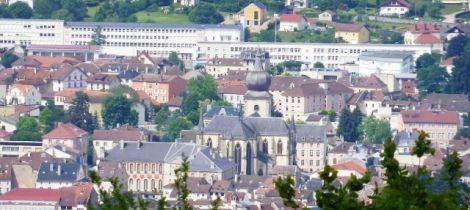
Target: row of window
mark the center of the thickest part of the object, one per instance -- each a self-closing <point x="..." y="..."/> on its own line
<point x="146" y="30"/>
<point x="302" y="153"/>
<point x="131" y="167"/>
<point x="144" y="185"/>
<point x="310" y="163"/>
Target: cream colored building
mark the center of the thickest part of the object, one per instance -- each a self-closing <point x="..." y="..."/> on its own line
<point x="311" y="147"/>
<point x="441" y="126"/>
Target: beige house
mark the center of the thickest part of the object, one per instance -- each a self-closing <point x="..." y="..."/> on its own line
<point x="148" y="166"/>
<point x="218" y="67"/>
<point x="327" y="15"/>
<point x="441" y="126"/>
<point x="311" y="146"/>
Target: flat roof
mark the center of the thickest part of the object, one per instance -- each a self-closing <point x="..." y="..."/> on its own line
<point x="151" y="25"/>
<point x="63" y="47"/>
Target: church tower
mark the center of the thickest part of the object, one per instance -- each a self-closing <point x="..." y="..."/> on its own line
<point x="258" y="100"/>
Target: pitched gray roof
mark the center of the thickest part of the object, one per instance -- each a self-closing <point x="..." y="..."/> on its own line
<point x="200" y="157"/>
<point x="249" y="127"/>
<point x="227" y="111"/>
<point x="310" y="133"/>
<point x="385" y="55"/>
<point x="68" y="172"/>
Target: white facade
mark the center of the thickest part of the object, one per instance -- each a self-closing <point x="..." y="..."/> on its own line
<point x="299" y="4"/>
<point x="385" y="62"/>
<point x="5" y="185"/>
<point x="23" y="96"/>
<point x="393" y="10"/>
<point x="234" y="99"/>
<point x="332" y="55"/>
<point x="76" y="79"/>
<point x="121" y="38"/>
<point x="186" y="3"/>
<point x="293" y="25"/>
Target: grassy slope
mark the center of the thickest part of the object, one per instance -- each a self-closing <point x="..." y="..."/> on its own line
<point x="160" y="17"/>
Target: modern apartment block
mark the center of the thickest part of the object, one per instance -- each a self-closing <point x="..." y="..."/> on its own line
<point x="121" y="38"/>
<point x="332" y="55"/>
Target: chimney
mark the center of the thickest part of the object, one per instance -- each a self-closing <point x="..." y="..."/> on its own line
<point x="323" y="85"/>
<point x="58" y="169"/>
<point x="51" y="167"/>
<point x="122" y="144"/>
<point x="236" y="178"/>
<point x="29" y="154"/>
<point x="139" y="144"/>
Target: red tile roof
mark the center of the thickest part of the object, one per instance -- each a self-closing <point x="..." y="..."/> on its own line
<point x="419" y="116"/>
<point x="350" y="166"/>
<point x="29" y="194"/>
<point x="233" y="89"/>
<point x="397" y="3"/>
<point x="291" y="18"/>
<point x="448" y="61"/>
<point x="75" y="195"/>
<point x="427" y="38"/>
<point x="65" y="131"/>
<point x="424" y="27"/>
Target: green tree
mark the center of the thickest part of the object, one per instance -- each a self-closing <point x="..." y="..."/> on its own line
<point x="50" y="116"/>
<point x="425" y="60"/>
<point x="330" y="113"/>
<point x="460" y="80"/>
<point x="198" y="89"/>
<point x="345" y="196"/>
<point x="215" y="204"/>
<point x="456" y="46"/>
<point x="205" y="14"/>
<point x="97" y="38"/>
<point x="27" y="129"/>
<point x="117" y="110"/>
<point x="221" y="103"/>
<point x="115" y="199"/>
<point x="422" y="146"/>
<point x="180" y="184"/>
<point x="7" y="59"/>
<point x="44" y="8"/>
<point x="286" y="189"/>
<point x="20" y="9"/>
<point x="161" y="117"/>
<point x="79" y="112"/>
<point x="4" y="11"/>
<point x="432" y="79"/>
<point x="462" y="133"/>
<point x="319" y="65"/>
<point x="374" y="131"/>
<point x="174" y="58"/>
<point x="175" y="126"/>
<point x="349" y="122"/>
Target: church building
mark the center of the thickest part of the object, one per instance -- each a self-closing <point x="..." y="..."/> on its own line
<point x="255" y="141"/>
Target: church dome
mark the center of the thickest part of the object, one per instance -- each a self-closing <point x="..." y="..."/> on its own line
<point x="258" y="79"/>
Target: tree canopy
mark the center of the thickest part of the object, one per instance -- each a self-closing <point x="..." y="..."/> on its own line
<point x="348" y="126"/>
<point x="117" y="110"/>
<point x="432" y="79"/>
<point x="79" y="112"/>
<point x="27" y="129"/>
<point x="205" y="14"/>
<point x="374" y="131"/>
<point x="20" y="9"/>
<point x="7" y="59"/>
<point x="404" y="189"/>
<point x="198" y="89"/>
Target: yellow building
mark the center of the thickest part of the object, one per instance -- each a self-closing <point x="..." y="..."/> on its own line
<point x="254" y="15"/>
<point x="352" y="33"/>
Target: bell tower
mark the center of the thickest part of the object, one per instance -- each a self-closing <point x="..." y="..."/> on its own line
<point x="258" y="100"/>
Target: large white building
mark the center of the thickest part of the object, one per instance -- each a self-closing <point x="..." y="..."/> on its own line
<point x="332" y="55"/>
<point x="121" y="38"/>
<point x="385" y="62"/>
<point x="191" y="41"/>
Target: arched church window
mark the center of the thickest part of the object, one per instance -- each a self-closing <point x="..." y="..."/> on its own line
<point x="227" y="154"/>
<point x="209" y="143"/>
<point x="256" y="108"/>
<point x="265" y="146"/>
<point x="238" y="157"/>
<point x="279" y="147"/>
